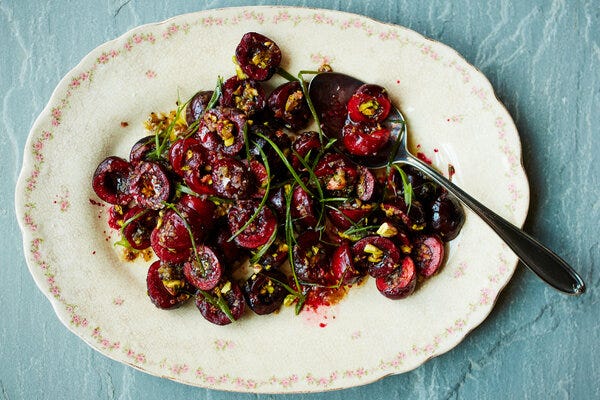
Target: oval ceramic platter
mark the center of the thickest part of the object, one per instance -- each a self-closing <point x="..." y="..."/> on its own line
<point x="98" y="110"/>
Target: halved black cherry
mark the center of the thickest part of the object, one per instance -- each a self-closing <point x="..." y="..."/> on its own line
<point x="111" y="181"/>
<point x="303" y="208"/>
<point x="258" y="56"/>
<point x="158" y="293"/>
<point x="150" y="185"/>
<point x="259" y="230"/>
<point x="170" y="240"/>
<point x="428" y="254"/>
<point x="140" y="150"/>
<point x="377" y="255"/>
<point x="203" y="269"/>
<point x="412" y="216"/>
<point x="363" y="139"/>
<point x="312" y="259"/>
<point x="222" y="130"/>
<point x="342" y="265"/>
<point x="337" y="174"/>
<point x="264" y="292"/>
<point x="197" y="106"/>
<point x="288" y="104"/>
<point x="447" y="217"/>
<point x="140" y="223"/>
<point x="231" y="178"/>
<point x="231" y="294"/>
<point x="400" y="283"/>
<point x="244" y="94"/>
<point x="369" y="103"/>
<point x="187" y="155"/>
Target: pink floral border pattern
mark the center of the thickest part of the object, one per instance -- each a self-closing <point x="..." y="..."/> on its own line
<point x="196" y="374"/>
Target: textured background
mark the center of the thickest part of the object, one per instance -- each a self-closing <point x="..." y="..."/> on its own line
<point x="542" y="58"/>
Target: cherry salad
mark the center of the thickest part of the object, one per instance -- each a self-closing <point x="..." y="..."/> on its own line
<point x="232" y="178"/>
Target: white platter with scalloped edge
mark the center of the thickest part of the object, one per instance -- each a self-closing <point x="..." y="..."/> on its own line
<point x="454" y="117"/>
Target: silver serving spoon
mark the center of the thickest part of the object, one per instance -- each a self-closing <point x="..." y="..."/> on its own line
<point x="330" y="93"/>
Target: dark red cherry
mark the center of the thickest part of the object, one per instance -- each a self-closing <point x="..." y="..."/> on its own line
<point x="111" y="181"/>
<point x="400" y="283"/>
<point x="365" y="187"/>
<point x="362" y="139"/>
<point x="159" y="295"/>
<point x="186" y="155"/>
<point x="150" y="185"/>
<point x="227" y="250"/>
<point x="312" y="259"/>
<point x="258" y="56"/>
<point x="276" y="255"/>
<point x="264" y="291"/>
<point x="303" y="208"/>
<point x="222" y="130"/>
<point x="115" y="216"/>
<point x="347" y="214"/>
<point x="447" y="217"/>
<point x="197" y="106"/>
<point x="337" y="174"/>
<point x="307" y="145"/>
<point x="257" y="143"/>
<point x="287" y="103"/>
<point x="342" y="265"/>
<point x="413" y="216"/>
<point x="428" y="254"/>
<point x="140" y="223"/>
<point x="260" y="178"/>
<point x="140" y="150"/>
<point x="244" y="94"/>
<point x="203" y="269"/>
<point x="231" y="295"/>
<point x="231" y="178"/>
<point x="173" y="279"/>
<point x="198" y="177"/>
<point x="377" y="255"/>
<point x="258" y="231"/>
<point x="170" y="240"/>
<point x="369" y="103"/>
<point x="199" y="213"/>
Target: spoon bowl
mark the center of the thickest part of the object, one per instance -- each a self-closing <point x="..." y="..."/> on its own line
<point x="330" y="92"/>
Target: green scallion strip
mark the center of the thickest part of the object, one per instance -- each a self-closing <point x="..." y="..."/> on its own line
<point x="189" y="230"/>
<point x="263" y="201"/>
<point x="263" y="249"/>
<point x="220" y="302"/>
<point x="407" y="186"/>
<point x="289" y="238"/>
<point x="315" y="181"/>
<point x="311" y="106"/>
<point x="285" y="162"/>
<point x="124" y="242"/>
<point x="216" y="94"/>
<point x="286" y="75"/>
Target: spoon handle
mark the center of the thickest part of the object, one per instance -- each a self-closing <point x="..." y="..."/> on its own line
<point x="543" y="262"/>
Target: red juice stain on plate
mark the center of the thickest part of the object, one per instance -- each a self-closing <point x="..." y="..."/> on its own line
<point x="421" y="156"/>
<point x="319" y="304"/>
<point x="96" y="203"/>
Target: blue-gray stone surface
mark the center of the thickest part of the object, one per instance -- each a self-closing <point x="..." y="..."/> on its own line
<point x="542" y="58"/>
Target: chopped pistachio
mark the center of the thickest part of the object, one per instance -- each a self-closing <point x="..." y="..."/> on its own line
<point x="386" y="230"/>
<point x="375" y="252"/>
<point x="226" y="287"/>
<point x="289" y="300"/>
